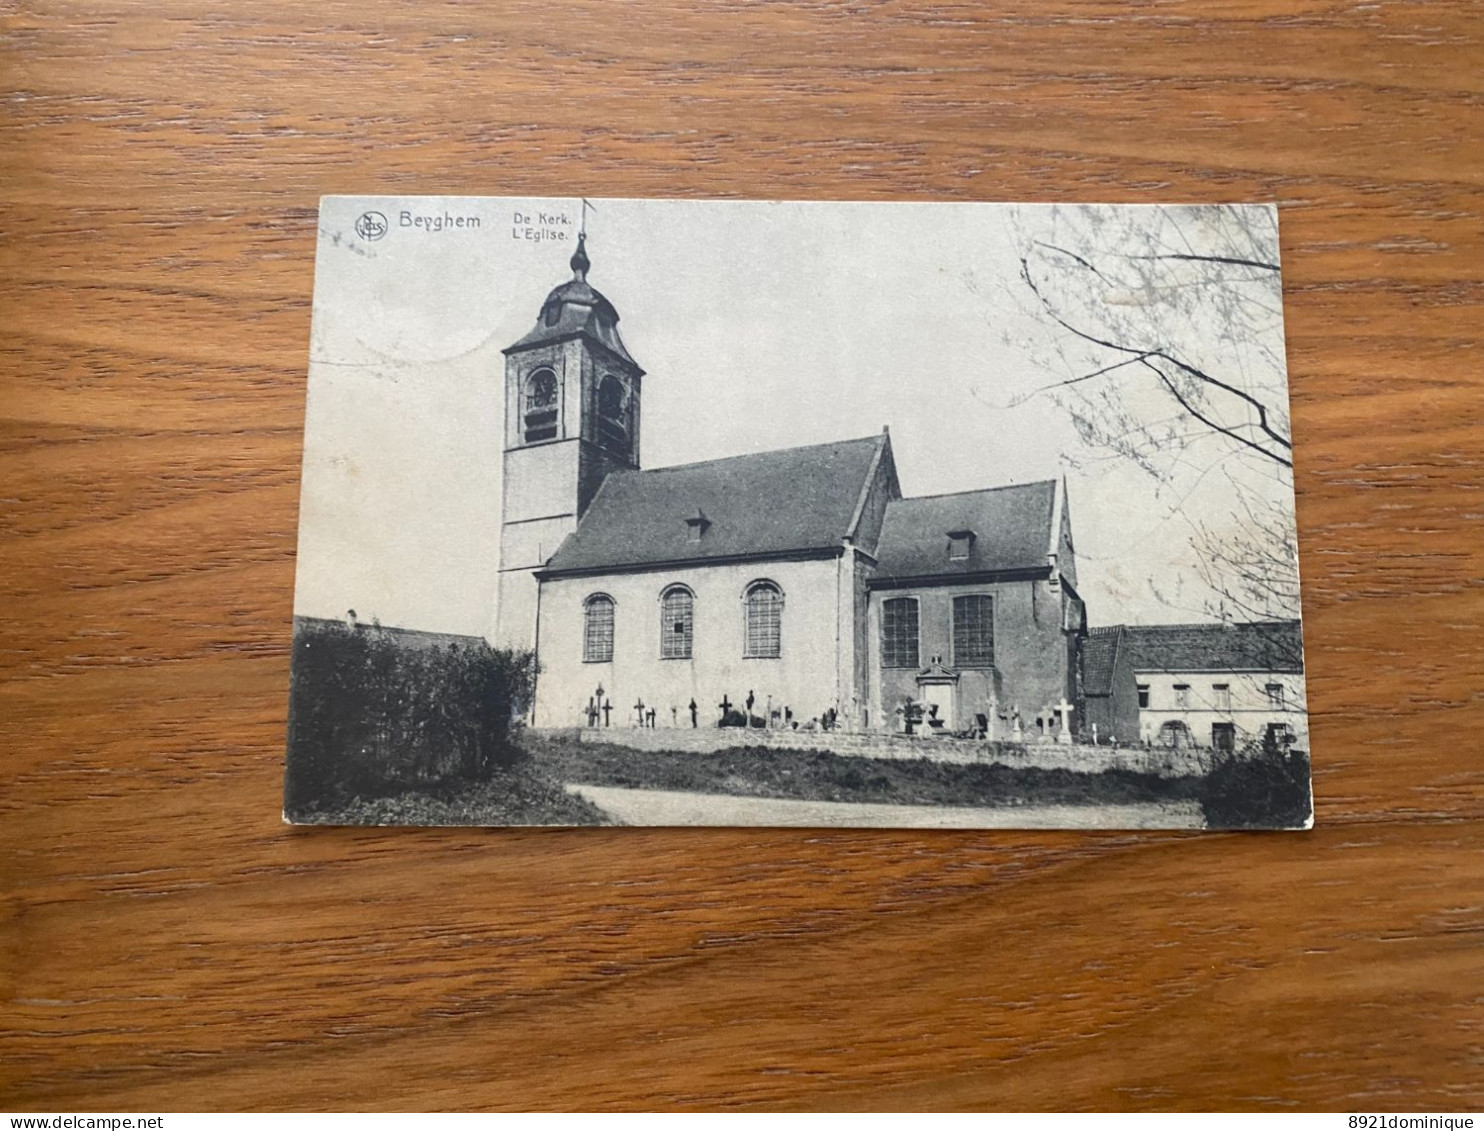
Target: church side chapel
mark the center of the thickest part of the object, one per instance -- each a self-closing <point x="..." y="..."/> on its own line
<point x="791" y="588"/>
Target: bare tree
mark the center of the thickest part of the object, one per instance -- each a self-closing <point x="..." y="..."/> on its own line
<point x="1167" y="351"/>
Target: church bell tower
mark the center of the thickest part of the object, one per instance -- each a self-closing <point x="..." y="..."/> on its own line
<point x="571" y="417"/>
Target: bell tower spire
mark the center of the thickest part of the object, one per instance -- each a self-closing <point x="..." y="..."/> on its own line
<point x="572" y="396"/>
<point x="579" y="261"/>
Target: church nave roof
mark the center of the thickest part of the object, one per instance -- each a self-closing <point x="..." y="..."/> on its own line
<point x="794" y="500"/>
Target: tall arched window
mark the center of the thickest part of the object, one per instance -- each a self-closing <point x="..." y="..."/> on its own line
<point x="677" y="623"/>
<point x="613" y="412"/>
<point x="540" y="408"/>
<point x="764" y="603"/>
<point x="597" y="629"/>
<point x="899" y="633"/>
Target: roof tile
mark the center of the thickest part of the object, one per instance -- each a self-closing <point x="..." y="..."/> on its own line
<point x="789" y="501"/>
<point x="1258" y="646"/>
<point x="1012" y="528"/>
<point x="1100" y="658"/>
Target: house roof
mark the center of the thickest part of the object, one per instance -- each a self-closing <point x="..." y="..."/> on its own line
<point x="1275" y="646"/>
<point x="796" y="500"/>
<point x="1100" y="659"/>
<point x="1011" y="528"/>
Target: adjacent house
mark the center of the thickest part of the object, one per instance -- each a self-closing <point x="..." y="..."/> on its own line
<point x="1221" y="686"/>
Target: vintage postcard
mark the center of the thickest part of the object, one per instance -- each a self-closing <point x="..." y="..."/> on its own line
<point x="657" y="512"/>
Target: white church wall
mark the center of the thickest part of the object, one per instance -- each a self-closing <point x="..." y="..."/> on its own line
<point x="515" y="615"/>
<point x="540" y="510"/>
<point x="541" y="481"/>
<point x="804" y="677"/>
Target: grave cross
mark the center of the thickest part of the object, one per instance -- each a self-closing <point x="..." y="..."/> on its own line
<point x="1065" y="735"/>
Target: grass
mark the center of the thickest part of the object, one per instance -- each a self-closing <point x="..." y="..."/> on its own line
<point x="531" y="791"/>
<point x="816" y="775"/>
<point x="517" y="795"/>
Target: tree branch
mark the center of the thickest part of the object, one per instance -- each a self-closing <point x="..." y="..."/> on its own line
<point x="1078" y="380"/>
<point x="1072" y="255"/>
<point x="1231" y="260"/>
<point x="1143" y="355"/>
<point x="1207" y="421"/>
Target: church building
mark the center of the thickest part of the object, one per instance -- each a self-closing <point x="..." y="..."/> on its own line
<point x="797" y="585"/>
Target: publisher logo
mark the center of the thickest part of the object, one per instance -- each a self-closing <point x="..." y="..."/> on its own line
<point x="371" y="226"/>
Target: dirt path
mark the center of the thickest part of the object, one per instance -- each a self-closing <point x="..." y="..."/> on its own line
<point x="665" y="807"/>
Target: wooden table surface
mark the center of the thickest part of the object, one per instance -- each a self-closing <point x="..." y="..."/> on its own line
<point x="166" y="943"/>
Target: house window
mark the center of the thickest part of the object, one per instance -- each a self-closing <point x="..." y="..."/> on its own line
<point x="613" y="416"/>
<point x="597" y="629"/>
<point x="1182" y="695"/>
<point x="1174" y="733"/>
<point x="1144" y="695"/>
<point x="973" y="632"/>
<point x="677" y="621"/>
<point x="764" y="620"/>
<point x="960" y="542"/>
<point x="1275" y="696"/>
<point x="1221" y="696"/>
<point x="541" y="406"/>
<point x="899" y="633"/>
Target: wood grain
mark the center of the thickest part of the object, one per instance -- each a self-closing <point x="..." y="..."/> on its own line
<point x="167" y="944"/>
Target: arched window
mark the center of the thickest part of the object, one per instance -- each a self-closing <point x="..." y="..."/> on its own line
<point x="597" y="629"/>
<point x="677" y="622"/>
<point x="899" y="633"/>
<point x="764" y="603"/>
<point x="540" y="408"/>
<point x="1175" y="734"/>
<point x="613" y="412"/>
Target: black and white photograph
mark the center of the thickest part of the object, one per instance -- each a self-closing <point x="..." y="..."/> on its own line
<point x="772" y="513"/>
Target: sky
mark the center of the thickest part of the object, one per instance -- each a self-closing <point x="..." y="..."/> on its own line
<point x="760" y="325"/>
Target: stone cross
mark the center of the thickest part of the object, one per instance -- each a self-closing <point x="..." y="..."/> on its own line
<point x="1065" y="735"/>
